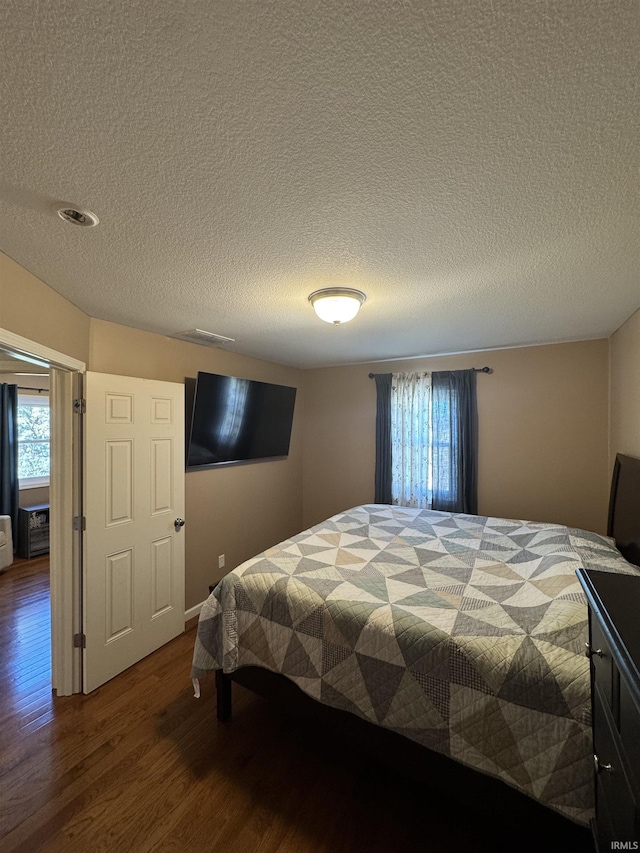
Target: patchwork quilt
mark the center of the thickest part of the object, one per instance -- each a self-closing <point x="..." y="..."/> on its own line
<point x="463" y="633"/>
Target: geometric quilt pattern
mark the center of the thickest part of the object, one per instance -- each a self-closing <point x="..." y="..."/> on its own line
<point x="463" y="633"/>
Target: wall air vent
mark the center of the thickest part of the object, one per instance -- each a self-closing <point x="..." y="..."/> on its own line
<point x="200" y="336"/>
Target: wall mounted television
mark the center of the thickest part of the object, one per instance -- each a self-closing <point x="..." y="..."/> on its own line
<point x="236" y="420"/>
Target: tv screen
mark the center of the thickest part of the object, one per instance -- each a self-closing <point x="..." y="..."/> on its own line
<point x="234" y="420"/>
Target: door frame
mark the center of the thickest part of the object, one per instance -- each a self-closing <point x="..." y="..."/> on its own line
<point x="65" y="500"/>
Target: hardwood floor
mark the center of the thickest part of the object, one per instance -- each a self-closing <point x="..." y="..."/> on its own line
<point x="140" y="765"/>
<point x="26" y="703"/>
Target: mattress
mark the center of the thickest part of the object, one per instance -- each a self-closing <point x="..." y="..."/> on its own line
<point x="463" y="633"/>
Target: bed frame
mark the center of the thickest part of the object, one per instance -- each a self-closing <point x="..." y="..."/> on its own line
<point x="467" y="785"/>
<point x="624" y="507"/>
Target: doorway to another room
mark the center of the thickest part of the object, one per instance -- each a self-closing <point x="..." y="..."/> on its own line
<point x="127" y="511"/>
<point x="41" y="590"/>
<point x="25" y="606"/>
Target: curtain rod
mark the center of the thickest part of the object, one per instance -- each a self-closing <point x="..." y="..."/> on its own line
<point x="27" y="388"/>
<point x="475" y="370"/>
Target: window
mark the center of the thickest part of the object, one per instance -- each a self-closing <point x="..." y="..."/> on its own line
<point x="33" y="440"/>
<point x="411" y="440"/>
<point x="427" y="440"/>
<point x="444" y="416"/>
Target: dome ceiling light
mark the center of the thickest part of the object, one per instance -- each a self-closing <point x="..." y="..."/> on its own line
<point x="337" y="305"/>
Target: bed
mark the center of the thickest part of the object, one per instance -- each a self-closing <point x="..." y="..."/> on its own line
<point x="464" y="634"/>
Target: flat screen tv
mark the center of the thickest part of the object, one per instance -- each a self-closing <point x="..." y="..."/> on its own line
<point x="236" y="420"/>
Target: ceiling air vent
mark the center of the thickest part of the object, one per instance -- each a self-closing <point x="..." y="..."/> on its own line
<point x="199" y="336"/>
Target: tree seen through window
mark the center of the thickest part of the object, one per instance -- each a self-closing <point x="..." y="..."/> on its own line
<point x="33" y="440"/>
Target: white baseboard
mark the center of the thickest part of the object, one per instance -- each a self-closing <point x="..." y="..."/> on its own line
<point x="193" y="611"/>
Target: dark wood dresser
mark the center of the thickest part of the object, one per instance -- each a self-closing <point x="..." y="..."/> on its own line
<point x="33" y="530"/>
<point x="614" y="651"/>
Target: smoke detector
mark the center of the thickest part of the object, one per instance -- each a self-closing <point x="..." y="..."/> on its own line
<point x="200" y="336"/>
<point x="76" y="216"/>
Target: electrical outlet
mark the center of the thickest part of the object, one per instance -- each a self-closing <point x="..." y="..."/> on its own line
<point x="221" y="561"/>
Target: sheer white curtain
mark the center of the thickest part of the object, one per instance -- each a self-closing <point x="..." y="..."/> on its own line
<point x="411" y="440"/>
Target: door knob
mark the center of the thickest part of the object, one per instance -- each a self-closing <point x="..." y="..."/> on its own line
<point x="178" y="523"/>
<point x="591" y="652"/>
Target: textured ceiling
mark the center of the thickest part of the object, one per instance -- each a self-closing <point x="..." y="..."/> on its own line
<point x="473" y="167"/>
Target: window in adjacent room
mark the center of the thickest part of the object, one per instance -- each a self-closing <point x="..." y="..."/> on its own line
<point x="33" y="440"/>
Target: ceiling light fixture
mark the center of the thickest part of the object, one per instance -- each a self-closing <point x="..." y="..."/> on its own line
<point x="75" y="216"/>
<point x="337" y="305"/>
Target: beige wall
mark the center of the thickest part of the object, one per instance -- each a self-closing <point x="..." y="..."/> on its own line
<point x="543" y="433"/>
<point x="30" y="308"/>
<point x="237" y="510"/>
<point x="33" y="497"/>
<point x="543" y="426"/>
<point x="624" y="389"/>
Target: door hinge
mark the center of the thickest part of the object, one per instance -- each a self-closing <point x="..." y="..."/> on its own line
<point x="79" y="641"/>
<point x="79" y="522"/>
<point x="80" y="407"/>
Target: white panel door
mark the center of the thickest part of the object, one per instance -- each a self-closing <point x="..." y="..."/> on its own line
<point x="133" y="592"/>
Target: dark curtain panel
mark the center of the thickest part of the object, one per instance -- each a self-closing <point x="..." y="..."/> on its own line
<point x="455" y="441"/>
<point x="9" y="455"/>
<point x="383" y="439"/>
